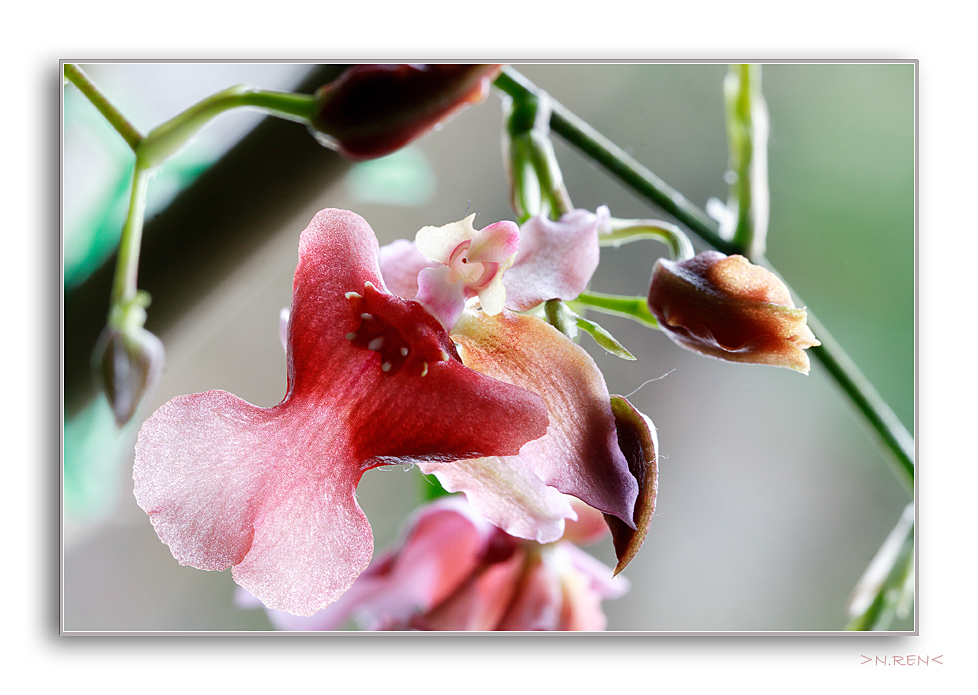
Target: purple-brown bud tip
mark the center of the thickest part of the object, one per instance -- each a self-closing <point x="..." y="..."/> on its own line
<point x="372" y="110"/>
<point x="127" y="367"/>
<point x="728" y="308"/>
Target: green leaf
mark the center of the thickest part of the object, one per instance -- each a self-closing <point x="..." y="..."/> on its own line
<point x="602" y="337"/>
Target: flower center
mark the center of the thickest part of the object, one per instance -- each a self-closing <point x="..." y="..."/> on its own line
<point x="402" y="333"/>
<point x="475" y="275"/>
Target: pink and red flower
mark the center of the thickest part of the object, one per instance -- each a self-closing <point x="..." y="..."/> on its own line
<point x="372" y="380"/>
<point x="375" y="379"/>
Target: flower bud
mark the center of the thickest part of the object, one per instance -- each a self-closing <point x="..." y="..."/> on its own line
<point x="372" y="110"/>
<point x="127" y="367"/>
<point x="725" y="307"/>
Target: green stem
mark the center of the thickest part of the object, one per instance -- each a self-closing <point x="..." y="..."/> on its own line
<point x="894" y="437"/>
<point x="169" y="137"/>
<point x="127" y="263"/>
<point x="635" y="308"/>
<point x="532" y="163"/>
<point x="627" y="231"/>
<point x="115" y="118"/>
<point x="747" y="129"/>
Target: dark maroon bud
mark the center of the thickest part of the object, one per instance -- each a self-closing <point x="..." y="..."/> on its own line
<point x="372" y="110"/>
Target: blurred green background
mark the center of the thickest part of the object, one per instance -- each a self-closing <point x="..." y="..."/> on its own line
<point x="772" y="496"/>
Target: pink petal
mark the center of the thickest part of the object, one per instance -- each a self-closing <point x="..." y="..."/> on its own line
<point x="590" y="526"/>
<point x="400" y="263"/>
<point x="439" y="295"/>
<point x="555" y="260"/>
<point x="209" y="473"/>
<point x="481" y="603"/>
<point x="444" y="544"/>
<point x="600" y="578"/>
<point x="505" y="491"/>
<point x="495" y="243"/>
<point x="538" y="603"/>
<point x="580" y="454"/>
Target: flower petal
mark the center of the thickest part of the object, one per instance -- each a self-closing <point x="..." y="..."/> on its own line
<point x="556" y="259"/>
<point x="438" y="243"/>
<point x="400" y="263"/>
<point x="638" y="441"/>
<point x="580" y="454"/>
<point x="507" y="493"/>
<point x="212" y="472"/>
<point x="481" y="603"/>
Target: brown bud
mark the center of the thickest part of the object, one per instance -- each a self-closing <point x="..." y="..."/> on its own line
<point x="372" y="110"/>
<point x="726" y="307"/>
<point x="127" y="367"/>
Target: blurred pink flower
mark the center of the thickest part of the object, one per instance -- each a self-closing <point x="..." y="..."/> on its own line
<point x="452" y="570"/>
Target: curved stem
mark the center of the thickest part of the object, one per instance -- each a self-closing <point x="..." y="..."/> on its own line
<point x="635" y="308"/>
<point x="120" y="123"/>
<point x="169" y="137"/>
<point x="627" y="231"/>
<point x="893" y="436"/>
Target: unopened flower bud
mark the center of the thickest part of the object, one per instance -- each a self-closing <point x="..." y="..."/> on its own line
<point x="127" y="367"/>
<point x="726" y="307"/>
<point x="372" y="110"/>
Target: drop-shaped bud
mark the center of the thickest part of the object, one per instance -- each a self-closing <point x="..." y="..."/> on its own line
<point x="728" y="308"/>
<point x="127" y="366"/>
<point x="372" y="110"/>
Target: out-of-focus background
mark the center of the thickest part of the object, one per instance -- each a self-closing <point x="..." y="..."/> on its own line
<point x="772" y="496"/>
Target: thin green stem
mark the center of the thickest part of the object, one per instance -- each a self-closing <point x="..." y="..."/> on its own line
<point x="120" y="123"/>
<point x="127" y="263"/>
<point x="635" y="308"/>
<point x="169" y="137"/>
<point x="894" y="437"/>
<point x="747" y="131"/>
<point x="627" y="231"/>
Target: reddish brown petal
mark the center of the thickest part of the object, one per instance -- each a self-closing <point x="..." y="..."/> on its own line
<point x="637" y="439"/>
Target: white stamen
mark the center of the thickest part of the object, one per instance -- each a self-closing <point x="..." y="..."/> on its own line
<point x="404" y="352"/>
<point x="354" y="295"/>
<point x="351" y="336"/>
<point x="367" y="317"/>
<point x="375" y="344"/>
<point x="424" y="368"/>
<point x="386" y="367"/>
<point x="443" y="356"/>
<point x="368" y="285"/>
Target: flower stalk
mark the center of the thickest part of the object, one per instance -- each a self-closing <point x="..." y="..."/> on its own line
<point x="747" y="132"/>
